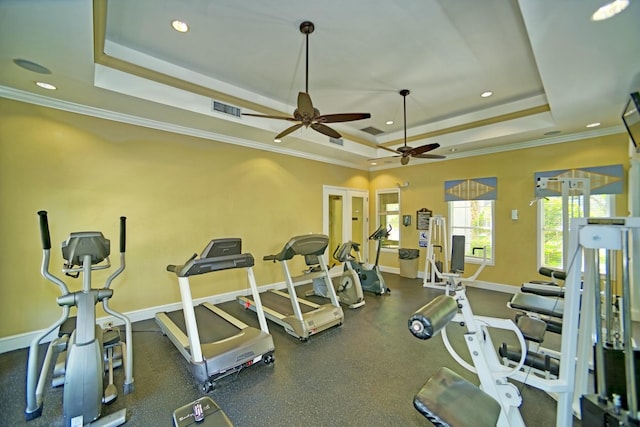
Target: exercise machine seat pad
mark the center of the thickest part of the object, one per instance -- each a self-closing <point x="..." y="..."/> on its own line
<point x="538" y="304"/>
<point x="532" y="329"/>
<point x="546" y="289"/>
<point x="447" y="399"/>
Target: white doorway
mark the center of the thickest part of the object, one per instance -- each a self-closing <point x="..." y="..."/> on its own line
<point x="345" y="217"/>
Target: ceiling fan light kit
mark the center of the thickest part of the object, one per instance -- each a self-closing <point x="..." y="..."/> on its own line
<point x="306" y="114"/>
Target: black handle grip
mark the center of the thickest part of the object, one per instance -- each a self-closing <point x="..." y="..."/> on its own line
<point x="123" y="234"/>
<point x="173" y="268"/>
<point x="44" y="230"/>
<point x="477" y="248"/>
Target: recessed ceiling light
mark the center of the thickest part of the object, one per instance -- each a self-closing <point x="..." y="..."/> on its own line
<point x="47" y="86"/>
<point x="277" y="140"/>
<point x="453" y="150"/>
<point x="486" y="94"/>
<point x="388" y="122"/>
<point x="31" y="66"/>
<point x="609" y="10"/>
<point x="593" y="125"/>
<point x="179" y="26"/>
<point x="373" y="163"/>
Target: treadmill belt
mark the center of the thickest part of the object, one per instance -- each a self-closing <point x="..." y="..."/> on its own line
<point x="281" y="304"/>
<point x="211" y="327"/>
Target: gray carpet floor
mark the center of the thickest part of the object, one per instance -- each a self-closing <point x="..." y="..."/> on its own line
<point x="364" y="373"/>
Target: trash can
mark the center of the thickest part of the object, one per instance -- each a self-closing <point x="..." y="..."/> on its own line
<point x="408" y="262"/>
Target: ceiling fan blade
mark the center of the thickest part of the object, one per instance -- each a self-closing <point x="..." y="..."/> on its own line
<point x="378" y="159"/>
<point x="266" y="116"/>
<point x="287" y="131"/>
<point x="423" y="149"/>
<point x="305" y="106"/>
<point x="429" y="156"/>
<point x="344" y="117"/>
<point x="389" y="149"/>
<point x="325" y="130"/>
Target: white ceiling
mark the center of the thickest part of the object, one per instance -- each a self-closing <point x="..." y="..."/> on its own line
<point x="550" y="67"/>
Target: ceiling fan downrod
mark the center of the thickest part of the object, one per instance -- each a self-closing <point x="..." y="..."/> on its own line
<point x="404" y="93"/>
<point x="307" y="28"/>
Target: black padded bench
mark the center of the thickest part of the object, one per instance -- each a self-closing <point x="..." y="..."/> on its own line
<point x="546" y="288"/>
<point x="533" y="330"/>
<point x="547" y="306"/>
<point x="447" y="399"/>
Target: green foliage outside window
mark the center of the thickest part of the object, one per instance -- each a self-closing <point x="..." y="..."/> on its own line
<point x="474" y="220"/>
<point x="389" y="214"/>
<point x="552" y="234"/>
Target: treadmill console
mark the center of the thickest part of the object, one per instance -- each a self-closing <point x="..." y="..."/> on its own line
<point x="221" y="247"/>
<point x="220" y="254"/>
<point x="306" y="244"/>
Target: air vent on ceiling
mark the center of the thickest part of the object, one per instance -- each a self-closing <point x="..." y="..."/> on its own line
<point x="337" y="141"/>
<point x="225" y="108"/>
<point x="371" y="130"/>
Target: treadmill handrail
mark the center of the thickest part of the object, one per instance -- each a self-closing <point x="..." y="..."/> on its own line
<point x="195" y="266"/>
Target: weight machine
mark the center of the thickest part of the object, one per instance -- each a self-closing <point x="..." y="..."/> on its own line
<point x="616" y="399"/>
<point x="435" y="274"/>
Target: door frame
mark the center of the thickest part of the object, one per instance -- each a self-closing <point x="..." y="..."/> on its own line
<point x="347" y="195"/>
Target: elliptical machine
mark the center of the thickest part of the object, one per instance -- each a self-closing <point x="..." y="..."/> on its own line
<point x="83" y="395"/>
<point x="370" y="279"/>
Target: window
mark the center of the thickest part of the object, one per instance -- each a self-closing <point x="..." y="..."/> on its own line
<point x="388" y="208"/>
<point x="474" y="220"/>
<point x="550" y="231"/>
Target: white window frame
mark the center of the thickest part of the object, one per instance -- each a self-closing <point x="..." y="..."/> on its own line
<point x="379" y="213"/>
<point x="540" y="225"/>
<point x="475" y="259"/>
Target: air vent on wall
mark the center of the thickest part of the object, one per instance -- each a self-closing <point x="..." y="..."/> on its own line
<point x="225" y="108"/>
<point x="371" y="130"/>
<point x="337" y="141"/>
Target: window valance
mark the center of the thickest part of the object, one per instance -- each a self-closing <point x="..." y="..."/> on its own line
<point x="471" y="189"/>
<point x="602" y="180"/>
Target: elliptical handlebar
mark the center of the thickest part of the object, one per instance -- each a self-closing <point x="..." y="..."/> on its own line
<point x="381" y="232"/>
<point x="44" y="230"/>
<point x="45" y="236"/>
<point x="123" y="234"/>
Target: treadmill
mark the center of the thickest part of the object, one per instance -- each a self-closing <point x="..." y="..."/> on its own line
<point x="299" y="317"/>
<point x="215" y="343"/>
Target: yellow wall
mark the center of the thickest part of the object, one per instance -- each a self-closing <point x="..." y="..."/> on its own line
<point x="177" y="192"/>
<point x="515" y="241"/>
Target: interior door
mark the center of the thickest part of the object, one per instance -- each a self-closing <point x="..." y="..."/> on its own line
<point x="345" y="217"/>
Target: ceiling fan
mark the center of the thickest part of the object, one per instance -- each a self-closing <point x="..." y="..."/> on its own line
<point x="405" y="152"/>
<point x="306" y="114"/>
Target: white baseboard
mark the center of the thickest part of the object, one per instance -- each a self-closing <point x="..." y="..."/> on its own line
<point x="490" y="286"/>
<point x="16" y="342"/>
